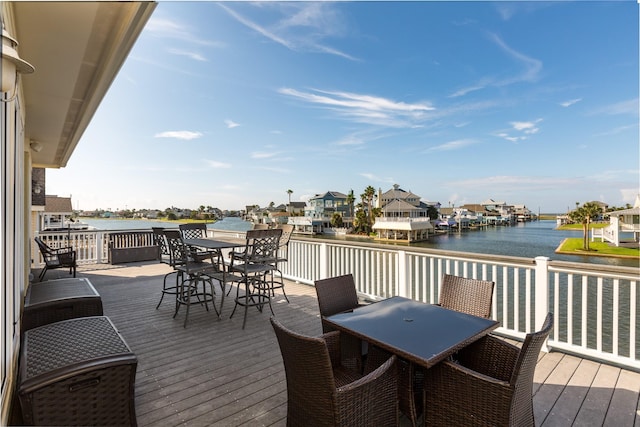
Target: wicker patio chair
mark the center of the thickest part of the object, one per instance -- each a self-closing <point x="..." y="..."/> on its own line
<point x="467" y="295"/>
<point x="490" y="385"/>
<point x="56" y="258"/>
<point x="335" y="295"/>
<point x="321" y="392"/>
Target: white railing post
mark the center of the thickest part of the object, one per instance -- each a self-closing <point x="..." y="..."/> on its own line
<point x="542" y="294"/>
<point x="402" y="279"/>
<point x="324" y="261"/>
<point x="99" y="239"/>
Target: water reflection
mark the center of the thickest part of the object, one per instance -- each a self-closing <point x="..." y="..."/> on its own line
<point x="528" y="240"/>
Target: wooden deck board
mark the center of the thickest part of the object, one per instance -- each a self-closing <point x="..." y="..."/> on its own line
<point x="214" y="373"/>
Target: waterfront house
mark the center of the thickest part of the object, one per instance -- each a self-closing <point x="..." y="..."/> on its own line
<point x="76" y="49"/>
<point x="621" y="222"/>
<point x="403" y="216"/>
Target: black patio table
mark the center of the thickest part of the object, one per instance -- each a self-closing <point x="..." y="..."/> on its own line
<point x="213" y="244"/>
<point x="421" y="333"/>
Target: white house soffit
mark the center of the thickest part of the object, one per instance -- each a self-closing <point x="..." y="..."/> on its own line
<point x="77" y="49"/>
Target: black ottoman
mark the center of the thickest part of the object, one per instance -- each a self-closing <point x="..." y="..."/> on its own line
<point x="62" y="299"/>
<point x="77" y="372"/>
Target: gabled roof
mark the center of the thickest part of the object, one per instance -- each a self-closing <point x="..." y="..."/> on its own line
<point x="399" y="193"/>
<point x="400" y="206"/>
<point x="59" y="205"/>
<point x="330" y="195"/>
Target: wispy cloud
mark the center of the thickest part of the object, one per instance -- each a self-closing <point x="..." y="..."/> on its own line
<point x="376" y="178"/>
<point x="499" y="183"/>
<point x="231" y="124"/>
<point x="520" y="131"/>
<point x="570" y="102"/>
<point x="366" y="108"/>
<point x="191" y="55"/>
<point x="167" y="28"/>
<point x="179" y="134"/>
<point x="630" y="106"/>
<point x="301" y="27"/>
<point x="262" y="155"/>
<point x="218" y="165"/>
<point x="531" y="70"/>
<point x="617" y="130"/>
<point x="453" y="145"/>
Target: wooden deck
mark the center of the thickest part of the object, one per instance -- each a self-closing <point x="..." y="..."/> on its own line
<point x="216" y="374"/>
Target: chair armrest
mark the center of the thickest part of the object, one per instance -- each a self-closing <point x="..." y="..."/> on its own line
<point x="372" y="399"/>
<point x="333" y="345"/>
<point x="457" y="393"/>
<point x="490" y="356"/>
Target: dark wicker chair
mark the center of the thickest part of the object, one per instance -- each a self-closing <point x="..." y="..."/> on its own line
<point x="254" y="265"/>
<point x="56" y="258"/>
<point x="490" y="385"/>
<point x="321" y="392"/>
<point x="336" y="295"/>
<point x="467" y="295"/>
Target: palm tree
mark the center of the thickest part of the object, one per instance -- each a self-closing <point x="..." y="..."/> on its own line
<point x="585" y="214"/>
<point x="289" y="192"/>
<point x="350" y="200"/>
<point x="369" y="194"/>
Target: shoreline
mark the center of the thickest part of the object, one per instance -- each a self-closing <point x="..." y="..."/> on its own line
<point x="591" y="253"/>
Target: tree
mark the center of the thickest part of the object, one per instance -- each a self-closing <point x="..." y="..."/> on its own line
<point x="350" y="200"/>
<point x="336" y="220"/>
<point x="584" y="215"/>
<point x="289" y="192"/>
<point x="369" y="194"/>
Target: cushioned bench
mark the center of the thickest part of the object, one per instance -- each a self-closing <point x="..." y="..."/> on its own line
<point x="132" y="246"/>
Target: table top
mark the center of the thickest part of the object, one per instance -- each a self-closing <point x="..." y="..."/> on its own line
<point x="421" y="333"/>
<point x="212" y="243"/>
<point x="60" y="289"/>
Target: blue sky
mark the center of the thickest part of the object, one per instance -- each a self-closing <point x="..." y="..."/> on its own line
<point x="232" y="104"/>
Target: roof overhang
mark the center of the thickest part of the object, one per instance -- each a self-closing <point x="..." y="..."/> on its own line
<point x="77" y="49"/>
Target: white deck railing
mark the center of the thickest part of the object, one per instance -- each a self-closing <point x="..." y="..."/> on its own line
<point x="595" y="306"/>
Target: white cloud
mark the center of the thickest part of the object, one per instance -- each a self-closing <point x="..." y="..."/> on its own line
<point x="167" y="28"/>
<point x="262" y="155"/>
<point x="375" y="178"/>
<point x="531" y="70"/>
<point x="180" y="134"/>
<point x="367" y="109"/>
<point x="630" y="106"/>
<point x="192" y="55"/>
<point x="218" y="165"/>
<point x="453" y="145"/>
<point x="231" y="124"/>
<point x="301" y="27"/>
<point x="570" y="102"/>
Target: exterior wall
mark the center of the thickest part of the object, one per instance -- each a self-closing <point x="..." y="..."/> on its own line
<point x="14" y="231"/>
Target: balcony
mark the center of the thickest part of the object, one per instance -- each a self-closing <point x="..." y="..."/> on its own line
<point x="214" y="373"/>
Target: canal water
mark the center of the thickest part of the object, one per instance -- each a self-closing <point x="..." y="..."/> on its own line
<point x="527" y="240"/>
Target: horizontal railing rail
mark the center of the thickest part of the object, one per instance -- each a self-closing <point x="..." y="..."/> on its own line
<point x="595" y="306"/>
